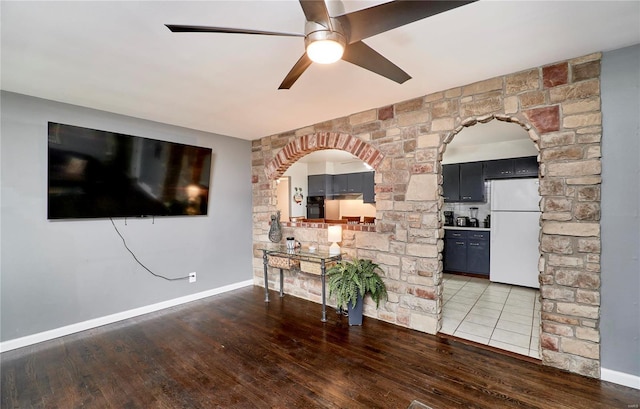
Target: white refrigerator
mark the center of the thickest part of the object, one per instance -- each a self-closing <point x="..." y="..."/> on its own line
<point x="515" y="231"/>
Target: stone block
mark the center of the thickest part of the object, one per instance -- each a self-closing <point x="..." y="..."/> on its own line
<point x="576" y="310"/>
<point x="424" y="323"/>
<point x="511" y="104"/>
<point x="442" y="124"/>
<point x="557" y="329"/>
<point x="571" y="229"/>
<point x="554" y="75"/>
<point x="410" y="105"/>
<point x="428" y="293"/>
<point x="429" y="140"/>
<point x="448" y="107"/>
<point x="481" y="107"/>
<point x="576" y="168"/>
<point x="453" y="93"/>
<point x="546" y="119"/>
<point x="588" y="193"/>
<point x="572" y="363"/>
<point x="583" y="348"/>
<point x="422" y="187"/>
<point x="593" y="152"/>
<point x="372" y="240"/>
<point x="563" y="153"/>
<point x="587" y="211"/>
<point x="558" y="293"/>
<point x="585" y="71"/>
<point x="581" y="106"/>
<point x="565" y="261"/>
<point x="591" y="245"/>
<point x="427" y="155"/>
<point x="589" y="334"/>
<point x="546" y="316"/>
<point x="522" y="81"/>
<point x="363" y="117"/>
<point x="556" y="244"/>
<point x="549" y="342"/>
<point x="412" y="118"/>
<point x="591" y="297"/>
<point x="552" y="187"/>
<point x="551" y="140"/>
<point x="531" y="99"/>
<point x="482" y="86"/>
<point x="422" y="250"/>
<point x="580" y="90"/>
<point x="582" y="120"/>
<point x="556" y="204"/>
<point x="385" y="113"/>
<point x="587" y="180"/>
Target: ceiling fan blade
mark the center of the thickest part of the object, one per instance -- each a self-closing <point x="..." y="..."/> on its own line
<point x="316" y="11"/>
<point x="176" y="28"/>
<point x="362" y="55"/>
<point x="383" y="17"/>
<point x="303" y="63"/>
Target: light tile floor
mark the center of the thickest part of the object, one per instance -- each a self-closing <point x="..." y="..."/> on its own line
<point x="499" y="315"/>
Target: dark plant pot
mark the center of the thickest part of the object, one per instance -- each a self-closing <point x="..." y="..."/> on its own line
<point x="355" y="313"/>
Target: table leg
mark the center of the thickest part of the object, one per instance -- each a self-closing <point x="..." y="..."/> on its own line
<point x="281" y="284"/>
<point x="323" y="270"/>
<point x="266" y="278"/>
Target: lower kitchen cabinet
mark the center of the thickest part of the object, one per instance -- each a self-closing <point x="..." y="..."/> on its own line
<point x="466" y="251"/>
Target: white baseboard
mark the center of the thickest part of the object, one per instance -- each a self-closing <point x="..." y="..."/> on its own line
<point x="109" y="319"/>
<point x="620" y="378"/>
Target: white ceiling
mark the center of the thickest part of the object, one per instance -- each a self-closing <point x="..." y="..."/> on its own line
<point x="118" y="56"/>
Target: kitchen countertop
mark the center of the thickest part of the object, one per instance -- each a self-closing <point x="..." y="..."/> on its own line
<point x="467" y="228"/>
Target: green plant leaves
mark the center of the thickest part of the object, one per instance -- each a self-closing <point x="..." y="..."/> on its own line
<point x="348" y="279"/>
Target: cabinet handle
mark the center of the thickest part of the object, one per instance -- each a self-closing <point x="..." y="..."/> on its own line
<point x="460" y="243"/>
<point x="466" y="197"/>
<point x="474" y="244"/>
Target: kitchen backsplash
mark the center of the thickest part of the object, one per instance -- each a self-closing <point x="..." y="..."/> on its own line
<point x="462" y="209"/>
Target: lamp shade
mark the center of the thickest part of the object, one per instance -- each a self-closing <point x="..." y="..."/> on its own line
<point x="335" y="234"/>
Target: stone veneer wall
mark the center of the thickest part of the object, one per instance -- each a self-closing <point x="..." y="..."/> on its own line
<point x="558" y="104"/>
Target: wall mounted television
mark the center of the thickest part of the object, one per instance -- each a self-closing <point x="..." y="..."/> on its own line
<point x="101" y="174"/>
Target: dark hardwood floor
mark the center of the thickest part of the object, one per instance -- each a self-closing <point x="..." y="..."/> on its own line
<point x="235" y="351"/>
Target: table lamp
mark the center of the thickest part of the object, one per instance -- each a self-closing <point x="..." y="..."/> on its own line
<point x="334" y="236"/>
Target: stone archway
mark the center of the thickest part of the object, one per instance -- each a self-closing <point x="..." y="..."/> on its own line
<point x="306" y="144"/>
<point x="559" y="105"/>
<point x="444" y="327"/>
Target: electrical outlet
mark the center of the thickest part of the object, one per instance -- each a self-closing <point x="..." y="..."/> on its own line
<point x="192" y="277"/>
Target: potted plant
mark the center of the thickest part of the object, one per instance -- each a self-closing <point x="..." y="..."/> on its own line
<point x="351" y="281"/>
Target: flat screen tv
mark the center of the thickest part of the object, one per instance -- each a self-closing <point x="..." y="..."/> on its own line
<point x="101" y="174"/>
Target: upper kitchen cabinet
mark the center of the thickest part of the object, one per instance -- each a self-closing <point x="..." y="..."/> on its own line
<point x="349" y="183"/>
<point x="511" y="168"/>
<point x="320" y="185"/>
<point x="368" y="187"/>
<point x="340" y="184"/>
<point x="526" y="167"/>
<point x="451" y="182"/>
<point x="463" y="182"/>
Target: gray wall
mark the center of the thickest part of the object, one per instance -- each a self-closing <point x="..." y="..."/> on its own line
<point x="620" y="317"/>
<point x="57" y="273"/>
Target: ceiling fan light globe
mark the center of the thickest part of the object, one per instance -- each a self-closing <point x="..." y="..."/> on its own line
<point x="325" y="51"/>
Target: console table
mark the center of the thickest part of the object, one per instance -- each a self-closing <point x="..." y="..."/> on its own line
<point x="285" y="259"/>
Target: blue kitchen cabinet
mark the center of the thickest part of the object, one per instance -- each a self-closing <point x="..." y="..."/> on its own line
<point x="478" y="252"/>
<point x="466" y="251"/>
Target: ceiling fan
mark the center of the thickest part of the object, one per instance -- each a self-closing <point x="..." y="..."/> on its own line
<point x="328" y="39"/>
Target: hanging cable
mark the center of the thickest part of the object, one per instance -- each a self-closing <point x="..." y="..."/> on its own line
<point x="139" y="262"/>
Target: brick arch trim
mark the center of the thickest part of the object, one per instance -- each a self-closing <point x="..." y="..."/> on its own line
<point x="533" y="135"/>
<point x="306" y="144"/>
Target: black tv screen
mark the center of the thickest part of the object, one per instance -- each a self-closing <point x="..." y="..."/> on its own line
<point x="100" y="174"/>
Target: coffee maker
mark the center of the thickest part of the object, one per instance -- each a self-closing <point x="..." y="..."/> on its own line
<point x="448" y="218"/>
